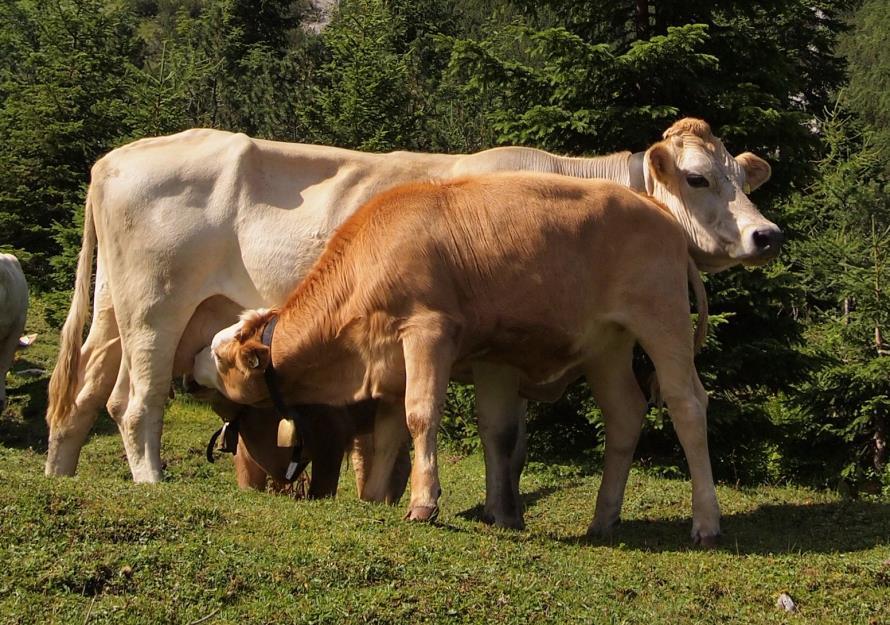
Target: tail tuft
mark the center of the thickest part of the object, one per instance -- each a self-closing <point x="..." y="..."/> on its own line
<point x="63" y="385"/>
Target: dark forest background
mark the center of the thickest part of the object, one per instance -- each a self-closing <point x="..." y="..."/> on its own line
<point x="798" y="365"/>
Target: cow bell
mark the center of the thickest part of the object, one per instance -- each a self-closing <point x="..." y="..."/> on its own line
<point x="287" y="433"/>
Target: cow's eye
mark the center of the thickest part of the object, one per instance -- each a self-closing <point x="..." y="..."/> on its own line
<point x="697" y="181"/>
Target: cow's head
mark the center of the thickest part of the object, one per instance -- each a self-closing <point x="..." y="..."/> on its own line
<point x="706" y="189"/>
<point x="236" y="361"/>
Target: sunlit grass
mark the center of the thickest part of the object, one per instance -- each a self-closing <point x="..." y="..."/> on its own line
<point x="99" y="549"/>
<point x="195" y="545"/>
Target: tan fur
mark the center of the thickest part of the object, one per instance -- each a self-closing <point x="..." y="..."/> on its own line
<point x="690" y="125"/>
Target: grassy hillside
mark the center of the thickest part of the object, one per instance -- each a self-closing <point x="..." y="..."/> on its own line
<point x="98" y="549"/>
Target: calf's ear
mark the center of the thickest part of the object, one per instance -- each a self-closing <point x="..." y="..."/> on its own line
<point x="253" y="356"/>
<point x="659" y="165"/>
<point x="757" y="170"/>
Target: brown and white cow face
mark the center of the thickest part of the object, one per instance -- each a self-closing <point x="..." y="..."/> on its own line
<point x="235" y="363"/>
<point x="706" y="190"/>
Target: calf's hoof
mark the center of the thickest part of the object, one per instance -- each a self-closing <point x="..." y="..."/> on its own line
<point x="506" y="521"/>
<point x="709" y="541"/>
<point x="424" y="514"/>
<point x="602" y="531"/>
<point x="511" y="523"/>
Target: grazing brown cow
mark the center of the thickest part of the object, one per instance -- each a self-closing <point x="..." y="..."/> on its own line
<point x="545" y="275"/>
<point x="329" y="433"/>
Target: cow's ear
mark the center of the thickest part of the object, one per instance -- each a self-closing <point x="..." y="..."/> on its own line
<point x="253" y="356"/>
<point x="757" y="170"/>
<point x="659" y="166"/>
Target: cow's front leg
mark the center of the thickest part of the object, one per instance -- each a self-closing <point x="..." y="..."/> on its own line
<point x="499" y="409"/>
<point x="330" y="433"/>
<point x="428" y="360"/>
<point x="248" y="473"/>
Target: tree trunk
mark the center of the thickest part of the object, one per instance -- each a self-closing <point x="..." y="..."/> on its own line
<point x="642" y="19"/>
<point x="879" y="442"/>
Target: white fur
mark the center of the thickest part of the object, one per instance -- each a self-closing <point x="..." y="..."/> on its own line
<point x="13" y="311"/>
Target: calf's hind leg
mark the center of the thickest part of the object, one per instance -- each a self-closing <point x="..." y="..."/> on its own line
<point x="615" y="389"/>
<point x="670" y="348"/>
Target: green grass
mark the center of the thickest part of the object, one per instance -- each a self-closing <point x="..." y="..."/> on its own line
<point x="99" y="549"/>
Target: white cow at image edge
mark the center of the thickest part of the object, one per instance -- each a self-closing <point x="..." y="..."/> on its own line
<point x="13" y="311"/>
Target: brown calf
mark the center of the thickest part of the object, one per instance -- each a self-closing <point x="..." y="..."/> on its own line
<point x="539" y="276"/>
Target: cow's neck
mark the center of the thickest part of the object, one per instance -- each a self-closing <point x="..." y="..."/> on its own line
<point x="622" y="167"/>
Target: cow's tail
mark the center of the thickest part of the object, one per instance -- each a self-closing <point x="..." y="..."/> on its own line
<point x="701" y="327"/>
<point x="63" y="385"/>
<point x="701" y="305"/>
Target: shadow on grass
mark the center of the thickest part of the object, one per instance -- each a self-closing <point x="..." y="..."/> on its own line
<point x="840" y="527"/>
<point x="529" y="500"/>
<point x="23" y="423"/>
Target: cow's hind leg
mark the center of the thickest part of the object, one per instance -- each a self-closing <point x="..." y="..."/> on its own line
<point x="99" y="363"/>
<point x="499" y="411"/>
<point x="150" y="338"/>
<point x="615" y="389"/>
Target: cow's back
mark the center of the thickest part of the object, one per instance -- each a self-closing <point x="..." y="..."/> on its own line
<point x="253" y="214"/>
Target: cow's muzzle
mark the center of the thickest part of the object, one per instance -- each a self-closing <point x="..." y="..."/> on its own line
<point x="767" y="243"/>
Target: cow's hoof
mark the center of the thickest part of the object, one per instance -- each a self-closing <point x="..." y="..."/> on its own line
<point x="711" y="541"/>
<point x="424" y="514"/>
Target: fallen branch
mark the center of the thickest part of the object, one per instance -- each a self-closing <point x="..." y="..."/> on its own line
<point x="205" y="618"/>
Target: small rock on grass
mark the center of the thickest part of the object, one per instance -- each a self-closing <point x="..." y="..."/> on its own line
<point x="786" y="603"/>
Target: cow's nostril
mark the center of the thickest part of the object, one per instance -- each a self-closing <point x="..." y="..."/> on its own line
<point x="768" y="239"/>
